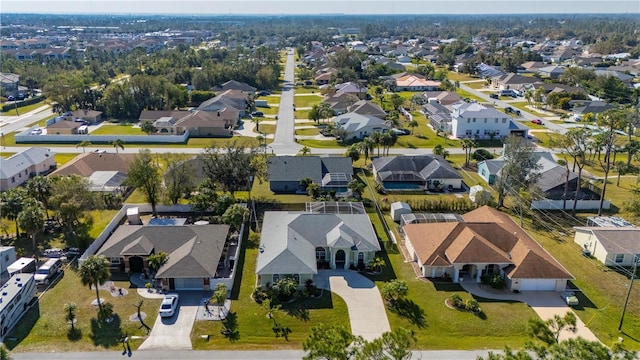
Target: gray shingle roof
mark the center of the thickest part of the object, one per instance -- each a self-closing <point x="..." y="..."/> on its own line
<point x="296" y="168"/>
<point x="352" y="122"/>
<point x="615" y="239"/>
<point x="23" y="160"/>
<point x="289" y="239"/>
<point x="414" y="168"/>
<point x="194" y="251"/>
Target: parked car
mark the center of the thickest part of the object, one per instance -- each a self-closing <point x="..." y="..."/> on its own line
<point x="36" y="131"/>
<point x="72" y="252"/>
<point x="494" y="96"/>
<point x="537" y="121"/>
<point x="570" y="298"/>
<point x="257" y="114"/>
<point x="10" y="98"/>
<point x="53" y="253"/>
<point x="21" y="96"/>
<point x="169" y="305"/>
<point x="510" y="110"/>
<point x="263" y="93"/>
<point x="48" y="271"/>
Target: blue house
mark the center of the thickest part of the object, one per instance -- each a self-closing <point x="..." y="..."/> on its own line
<point x="331" y="173"/>
<point x="488" y="169"/>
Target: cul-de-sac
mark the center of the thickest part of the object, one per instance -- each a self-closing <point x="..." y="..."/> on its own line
<point x="319" y="180"/>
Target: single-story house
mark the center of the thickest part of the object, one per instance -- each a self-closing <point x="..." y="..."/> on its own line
<point x="63" y="127"/>
<point x="331" y="172"/>
<point x="365" y="107"/>
<point x="487" y="242"/>
<point x="195" y="252"/>
<point x="91" y="116"/>
<point x="513" y="81"/>
<point x="106" y="171"/>
<point x="297" y="244"/>
<point x="209" y="123"/>
<point x="442" y="97"/>
<point x="552" y="71"/>
<point x="612" y="246"/>
<point x="551" y="182"/>
<point x="358" y="90"/>
<point x="236" y="85"/>
<point x="421" y="172"/>
<point x="413" y="82"/>
<point x="229" y="99"/>
<point x="17" y="169"/>
<point x="583" y="107"/>
<point x="358" y="126"/>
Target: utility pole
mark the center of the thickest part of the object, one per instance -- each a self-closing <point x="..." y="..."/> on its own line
<point x="636" y="259"/>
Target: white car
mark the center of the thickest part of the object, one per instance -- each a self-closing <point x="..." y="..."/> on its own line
<point x="36" y="131"/>
<point x="169" y="305"/>
<point x="570" y="298"/>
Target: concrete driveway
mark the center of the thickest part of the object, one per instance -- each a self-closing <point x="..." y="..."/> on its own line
<point x="174" y="333"/>
<point x="546" y="304"/>
<point x="367" y="314"/>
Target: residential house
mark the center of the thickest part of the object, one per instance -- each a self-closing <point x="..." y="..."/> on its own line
<point x="442" y="97"/>
<point x="340" y="103"/>
<point x="473" y="120"/>
<point x="331" y="173"/>
<point x="9" y="82"/>
<point x="552" y="72"/>
<point x="17" y="169"/>
<point x="552" y="179"/>
<point x="235" y="99"/>
<point x="91" y="116"/>
<point x="487" y="242"/>
<point x="195" y="253"/>
<point x="512" y="81"/>
<point x="357" y="126"/>
<point x="417" y="173"/>
<point x="153" y="115"/>
<point x="439" y="115"/>
<point x="236" y="86"/>
<point x="352" y="88"/>
<point x="531" y="67"/>
<point x="106" y="171"/>
<point x="200" y="123"/>
<point x="583" y="107"/>
<point x="297" y="245"/>
<point x="365" y="107"/>
<point x="64" y="127"/>
<point x="612" y="246"/>
<point x="413" y="82"/>
<point x="323" y="79"/>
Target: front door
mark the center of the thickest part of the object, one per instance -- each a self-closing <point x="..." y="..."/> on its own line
<point x="136" y="265"/>
<point x="340" y="259"/>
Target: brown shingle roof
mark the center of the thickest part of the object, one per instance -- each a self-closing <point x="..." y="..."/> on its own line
<point x="87" y="164"/>
<point x="64" y="125"/>
<point x="488" y="236"/>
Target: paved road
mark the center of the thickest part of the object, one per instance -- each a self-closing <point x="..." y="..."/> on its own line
<point x="9" y="124"/>
<point x="227" y="355"/>
<point x="284" y="140"/>
<point x="174" y="333"/>
<point x="367" y="314"/>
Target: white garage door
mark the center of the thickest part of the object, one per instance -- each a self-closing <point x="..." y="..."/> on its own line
<point x="537" y="285"/>
<point x="188" y="284"/>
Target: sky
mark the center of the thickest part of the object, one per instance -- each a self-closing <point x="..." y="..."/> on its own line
<point x="312" y="7"/>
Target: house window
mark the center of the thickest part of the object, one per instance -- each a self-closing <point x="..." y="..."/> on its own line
<point x="619" y="258"/>
<point x="115" y="261"/>
<point x="468" y="121"/>
<point x="504" y="121"/>
<point x="321" y="254"/>
<point x="474" y="119"/>
<point x="478" y="132"/>
<point x="296" y="277"/>
<point x="468" y="132"/>
<point x="276" y="277"/>
<point x="13" y="179"/>
<point x="496" y="121"/>
<point x="360" y="258"/>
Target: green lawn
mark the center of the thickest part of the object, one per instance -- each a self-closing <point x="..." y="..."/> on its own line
<point x="271" y="110"/>
<point x="63" y="158"/>
<point x="307" y="90"/>
<point x="44" y="328"/>
<point x="522" y="105"/>
<point x="260" y="192"/>
<point x="314" y="131"/>
<point x="307" y="100"/>
<point x="118" y="129"/>
<point x="302" y="114"/>
<point x="24" y="109"/>
<point x="545" y="139"/>
<point x="476" y="85"/>
<point x="456" y="76"/>
<point x="464" y="94"/>
<point x="255" y="328"/>
<point x="531" y="125"/>
<point x="267" y="128"/>
<point x="322" y="144"/>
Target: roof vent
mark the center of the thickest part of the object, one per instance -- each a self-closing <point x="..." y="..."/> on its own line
<point x="4" y="293"/>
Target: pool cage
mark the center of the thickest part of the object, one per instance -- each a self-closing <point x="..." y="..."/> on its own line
<point x="335" y="207"/>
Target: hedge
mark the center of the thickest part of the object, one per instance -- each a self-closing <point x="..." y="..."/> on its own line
<point x="25" y="102"/>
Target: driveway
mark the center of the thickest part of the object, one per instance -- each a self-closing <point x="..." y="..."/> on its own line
<point x="367" y="314"/>
<point x="546" y="304"/>
<point x="174" y="333"/>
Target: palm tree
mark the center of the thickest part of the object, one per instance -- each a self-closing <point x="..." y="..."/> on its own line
<point x="70" y="308"/>
<point x="31" y="218"/>
<point x="39" y="188"/>
<point x="376" y="138"/>
<point x="412" y="124"/>
<point x="94" y="272"/>
<point x="353" y="152"/>
<point x="366" y="147"/>
<point x="440" y="150"/>
<point x="305" y="151"/>
<point x="84" y="144"/>
<point x="219" y="297"/>
<point x="468" y="145"/>
<point x="157" y="260"/>
<point x="377" y="263"/>
<point x="118" y="143"/>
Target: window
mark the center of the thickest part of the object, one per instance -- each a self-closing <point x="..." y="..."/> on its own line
<point x="13" y="179"/>
<point x="360" y="258"/>
<point x="496" y="121"/>
<point x="276" y="277"/>
<point x="619" y="258"/>
<point x="474" y="119"/>
<point x="504" y="121"/>
<point x="468" y="121"/>
<point x="296" y="277"/>
<point x="468" y="132"/>
<point x="115" y="261"/>
<point x="477" y="131"/>
<point x="321" y="254"/>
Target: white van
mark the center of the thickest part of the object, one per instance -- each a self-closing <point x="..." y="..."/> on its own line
<point x="48" y="271"/>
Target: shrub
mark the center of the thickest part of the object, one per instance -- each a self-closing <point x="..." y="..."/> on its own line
<point x="494" y="280"/>
<point x="481" y="155"/>
<point x="456" y="300"/>
<point x="472" y="306"/>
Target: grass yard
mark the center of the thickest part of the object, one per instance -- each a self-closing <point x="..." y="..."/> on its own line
<point x="301" y="114"/>
<point x="306" y="100"/>
<point x="62" y="159"/>
<point x="456" y="76"/>
<point x="522" y="105"/>
<point x="24" y="109"/>
<point x="476" y="85"/>
<point x="118" y="129"/>
<point x="314" y="131"/>
<point x="531" y="125"/>
<point x="255" y="328"/>
<point x="464" y="94"/>
<point x="45" y="329"/>
<point x="321" y="144"/>
<point x="545" y="139"/>
<point x="603" y="290"/>
<point x="267" y="128"/>
<point x="260" y="192"/>
<point x="273" y="109"/>
<point x="307" y="90"/>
